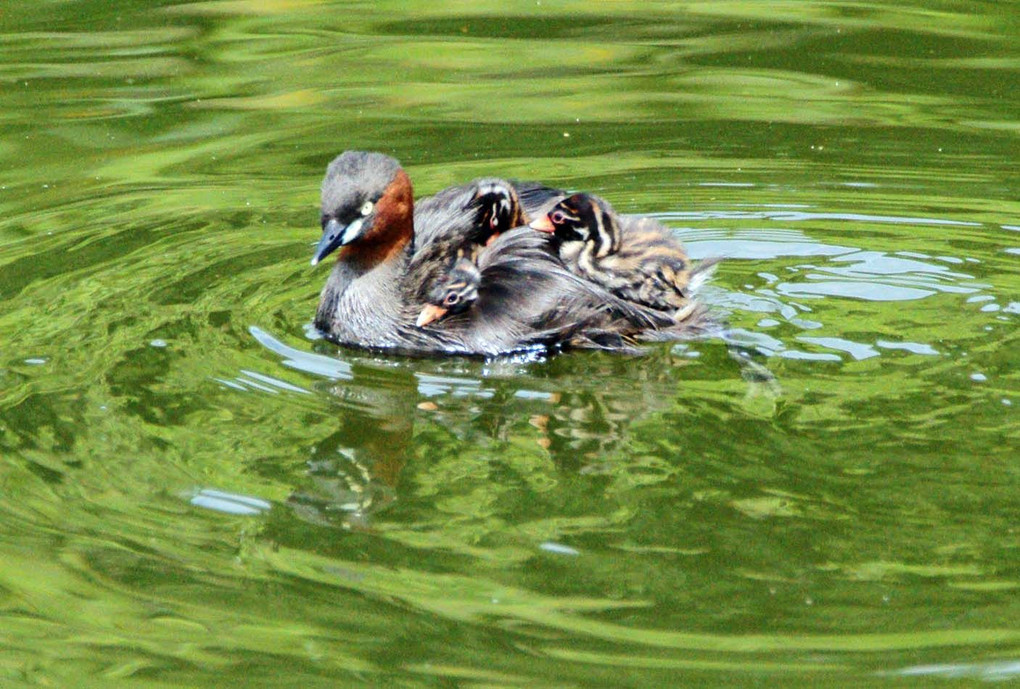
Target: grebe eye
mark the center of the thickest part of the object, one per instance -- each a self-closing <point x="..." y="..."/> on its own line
<point x="367" y="208"/>
<point x="557" y="218"/>
<point x="452" y="299"/>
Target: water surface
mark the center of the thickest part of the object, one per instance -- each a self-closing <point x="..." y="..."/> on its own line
<point x="197" y="490"/>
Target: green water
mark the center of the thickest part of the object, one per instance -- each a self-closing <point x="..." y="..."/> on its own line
<point x="196" y="491"/>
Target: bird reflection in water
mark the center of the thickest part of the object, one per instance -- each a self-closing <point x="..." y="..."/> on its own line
<point x="355" y="470"/>
<point x="569" y="407"/>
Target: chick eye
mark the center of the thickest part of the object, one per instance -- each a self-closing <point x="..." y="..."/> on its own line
<point x="557" y="218"/>
<point x="452" y="299"/>
<point x="367" y="208"/>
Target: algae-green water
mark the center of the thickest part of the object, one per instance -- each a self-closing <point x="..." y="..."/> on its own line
<point x="195" y="490"/>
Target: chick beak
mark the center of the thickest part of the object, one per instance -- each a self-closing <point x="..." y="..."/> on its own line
<point x="543" y="224"/>
<point x="430" y="313"/>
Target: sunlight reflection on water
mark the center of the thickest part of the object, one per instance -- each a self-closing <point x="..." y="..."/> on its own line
<point x="990" y="672"/>
<point x="328" y="367"/>
<point x="229" y="503"/>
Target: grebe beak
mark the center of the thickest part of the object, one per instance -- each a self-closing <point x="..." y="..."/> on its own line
<point x="334" y="236"/>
